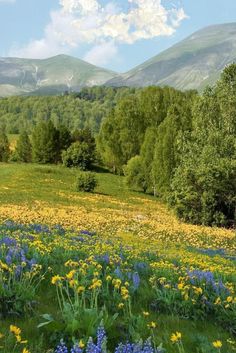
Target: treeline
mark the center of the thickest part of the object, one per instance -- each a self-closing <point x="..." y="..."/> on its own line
<point x="75" y="111"/>
<point x="51" y="145"/>
<point x="179" y="146"/>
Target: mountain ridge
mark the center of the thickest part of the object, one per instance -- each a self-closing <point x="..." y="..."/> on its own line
<point x="192" y="63"/>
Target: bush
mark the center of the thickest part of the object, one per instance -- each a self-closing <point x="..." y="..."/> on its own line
<point x="86" y="181"/>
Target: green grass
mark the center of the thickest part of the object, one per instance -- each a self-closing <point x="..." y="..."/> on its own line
<point x="30" y="184"/>
<point x="26" y="183"/>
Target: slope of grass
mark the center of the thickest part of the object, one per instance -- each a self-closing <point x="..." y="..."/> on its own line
<point x="46" y="195"/>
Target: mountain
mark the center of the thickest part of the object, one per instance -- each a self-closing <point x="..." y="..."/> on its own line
<point x="191" y="64"/>
<point x="49" y="76"/>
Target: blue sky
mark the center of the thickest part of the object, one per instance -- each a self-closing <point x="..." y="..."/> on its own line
<point x="116" y="34"/>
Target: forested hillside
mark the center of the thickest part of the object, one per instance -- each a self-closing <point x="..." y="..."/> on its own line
<point x="76" y="111"/>
<point x="179" y="146"/>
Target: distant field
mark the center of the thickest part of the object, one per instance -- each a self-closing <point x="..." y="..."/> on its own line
<point x="122" y="218"/>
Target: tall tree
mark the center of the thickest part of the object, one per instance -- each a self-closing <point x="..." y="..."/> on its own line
<point x="23" y="150"/>
<point x="45" y="141"/>
<point x="4" y="147"/>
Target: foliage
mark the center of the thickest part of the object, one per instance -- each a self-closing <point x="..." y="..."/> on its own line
<point x="126" y="285"/>
<point x="134" y="174"/>
<point x="86" y="181"/>
<point x="45" y="142"/>
<point x="204" y="188"/>
<point x="23" y="151"/>
<point x="79" y="155"/>
<point x="4" y="147"/>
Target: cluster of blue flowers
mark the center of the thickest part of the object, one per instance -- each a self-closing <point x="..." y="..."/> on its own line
<point x="101" y="346"/>
<point x="198" y="276"/>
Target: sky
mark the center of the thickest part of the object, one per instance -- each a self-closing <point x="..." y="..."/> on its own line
<point x="115" y="34"/>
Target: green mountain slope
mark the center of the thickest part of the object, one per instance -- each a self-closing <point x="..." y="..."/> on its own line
<point x="191" y="64"/>
<point x="53" y="75"/>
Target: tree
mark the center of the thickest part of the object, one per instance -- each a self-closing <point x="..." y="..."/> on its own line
<point x="134" y="174"/>
<point x="23" y="152"/>
<point x="65" y="139"/>
<point x="169" y="146"/>
<point x="4" y="147"/>
<point x="78" y="155"/>
<point x="147" y="157"/>
<point x="45" y="142"/>
<point x="204" y="184"/>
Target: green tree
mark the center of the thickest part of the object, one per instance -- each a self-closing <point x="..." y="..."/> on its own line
<point x="4" y="147"/>
<point x="78" y="155"/>
<point x="147" y="157"/>
<point x="204" y="184"/>
<point x="23" y="151"/>
<point x="45" y="142"/>
<point x="134" y="174"/>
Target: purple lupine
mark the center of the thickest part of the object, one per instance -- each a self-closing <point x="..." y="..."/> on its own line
<point x="136" y="280"/>
<point x="91" y="347"/>
<point x="76" y="349"/>
<point x="101" y="337"/>
<point x="62" y="348"/>
<point x="118" y="273"/>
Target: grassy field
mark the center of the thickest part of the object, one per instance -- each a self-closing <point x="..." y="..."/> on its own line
<point x="177" y="255"/>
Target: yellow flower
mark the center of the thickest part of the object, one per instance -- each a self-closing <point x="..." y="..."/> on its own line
<point x="1" y="335"/>
<point x="80" y="289"/>
<point x="152" y="324"/>
<point x="56" y="279"/>
<point x="217" y="344"/>
<point x="176" y="337"/>
<point x="229" y="299"/>
<point x="70" y="275"/>
<point x="25" y="350"/>
<point x="81" y="344"/>
<point x="108" y="278"/>
<point x="15" y="330"/>
<point x="217" y="301"/>
<point x="121" y="305"/>
<point x="198" y="290"/>
<point x="146" y="313"/>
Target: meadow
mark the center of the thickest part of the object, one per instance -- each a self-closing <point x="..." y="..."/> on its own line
<point x="114" y="265"/>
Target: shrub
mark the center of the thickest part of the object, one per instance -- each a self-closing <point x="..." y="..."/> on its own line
<point x="86" y="181"/>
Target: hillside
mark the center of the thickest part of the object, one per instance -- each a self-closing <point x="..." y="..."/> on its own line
<point x="49" y="76"/>
<point x="191" y="64"/>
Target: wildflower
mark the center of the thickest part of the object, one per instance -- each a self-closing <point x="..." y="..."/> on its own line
<point x="80" y="289"/>
<point x="56" y="279"/>
<point x="15" y="330"/>
<point x="217" y="301"/>
<point x="152" y="325"/>
<point x="25" y="350"/>
<point x="81" y="344"/>
<point x="61" y="348"/>
<point x="121" y="305"/>
<point x="71" y="274"/>
<point x="146" y="313"/>
<point x="217" y="344"/>
<point x="229" y="299"/>
<point x="176" y="337"/>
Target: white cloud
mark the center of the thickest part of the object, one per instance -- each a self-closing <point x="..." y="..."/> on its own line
<point x="103" y="26"/>
<point x="102" y="54"/>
